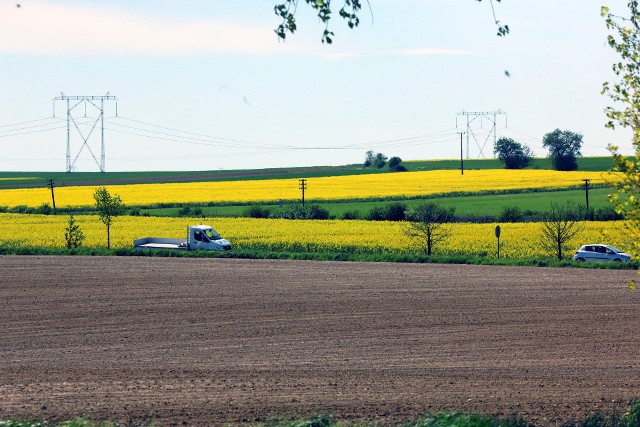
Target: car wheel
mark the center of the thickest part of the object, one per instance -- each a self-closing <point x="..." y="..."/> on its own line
<point x="580" y="259"/>
<point x="617" y="260"/>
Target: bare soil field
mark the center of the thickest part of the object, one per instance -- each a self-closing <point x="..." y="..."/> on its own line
<point x="208" y="341"/>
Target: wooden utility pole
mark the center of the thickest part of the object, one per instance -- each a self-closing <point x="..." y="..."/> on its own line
<point x="303" y="186"/>
<point x="586" y="191"/>
<point x="53" y="198"/>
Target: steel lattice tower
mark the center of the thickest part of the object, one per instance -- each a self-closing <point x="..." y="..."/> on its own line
<point x="472" y="116"/>
<point x="96" y="102"/>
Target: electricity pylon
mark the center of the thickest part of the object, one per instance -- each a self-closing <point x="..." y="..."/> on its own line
<point x="472" y="116"/>
<point x="96" y="102"/>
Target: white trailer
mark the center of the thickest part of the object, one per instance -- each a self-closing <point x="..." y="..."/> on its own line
<point x="199" y="237"/>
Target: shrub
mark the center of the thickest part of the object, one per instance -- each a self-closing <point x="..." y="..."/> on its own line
<point x="398" y="168"/>
<point x="73" y="234"/>
<point x="511" y="214"/>
<point x="607" y="213"/>
<point x="185" y="211"/>
<point x="44" y="209"/>
<point x="317" y="212"/>
<point x="390" y="212"/>
<point x="257" y="211"/>
<point x="376" y="214"/>
<point x="350" y="215"/>
<point x="396" y="211"/>
<point x="298" y="211"/>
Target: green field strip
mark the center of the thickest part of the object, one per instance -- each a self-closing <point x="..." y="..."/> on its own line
<point x="481" y="205"/>
<point x="39" y="179"/>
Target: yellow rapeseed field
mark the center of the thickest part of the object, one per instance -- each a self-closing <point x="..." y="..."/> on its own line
<point x="326" y="188"/>
<point x="518" y="240"/>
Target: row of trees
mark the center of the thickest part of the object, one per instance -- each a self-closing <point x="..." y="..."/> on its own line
<point x="563" y="145"/>
<point x="428" y="224"/>
<point x="379" y="160"/>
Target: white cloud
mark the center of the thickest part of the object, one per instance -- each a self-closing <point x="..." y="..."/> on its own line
<point x="399" y="52"/>
<point x="53" y="29"/>
<point x="46" y="28"/>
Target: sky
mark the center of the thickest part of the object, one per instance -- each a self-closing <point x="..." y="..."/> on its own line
<point x="206" y="84"/>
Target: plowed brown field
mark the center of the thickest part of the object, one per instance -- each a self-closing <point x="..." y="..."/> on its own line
<point x="202" y="341"/>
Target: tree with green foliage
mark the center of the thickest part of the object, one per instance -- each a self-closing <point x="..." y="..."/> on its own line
<point x="369" y="157"/>
<point x="73" y="235"/>
<point x="394" y="161"/>
<point x="380" y="160"/>
<point x="108" y="207"/>
<point x="512" y="154"/>
<point x="564" y="149"/>
<point x="395" y="166"/>
<point x="392" y="212"/>
<point x="374" y="159"/>
<point x="427" y="225"/>
<point x="349" y="11"/>
<point x="560" y="224"/>
<point x="625" y="93"/>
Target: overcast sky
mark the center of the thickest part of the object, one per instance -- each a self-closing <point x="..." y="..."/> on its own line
<point x="206" y="85"/>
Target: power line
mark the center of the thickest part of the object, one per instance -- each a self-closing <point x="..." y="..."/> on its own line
<point x="33" y="131"/>
<point x="24" y="123"/>
<point x="186" y="139"/>
<point x="189" y="133"/>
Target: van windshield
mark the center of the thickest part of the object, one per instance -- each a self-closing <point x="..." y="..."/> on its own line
<point x="212" y="234"/>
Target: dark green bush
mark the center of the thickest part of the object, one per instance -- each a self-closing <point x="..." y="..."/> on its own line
<point x="376" y="214"/>
<point x="317" y="212"/>
<point x="298" y="211"/>
<point x="511" y="214"/>
<point x="44" y="209"/>
<point x="391" y="212"/>
<point x="257" y="211"/>
<point x="350" y="215"/>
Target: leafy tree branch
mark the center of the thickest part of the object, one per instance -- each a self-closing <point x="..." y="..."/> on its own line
<point x="349" y="12"/>
<point x="625" y="113"/>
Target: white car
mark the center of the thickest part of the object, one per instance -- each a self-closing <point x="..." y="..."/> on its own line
<point x="600" y="253"/>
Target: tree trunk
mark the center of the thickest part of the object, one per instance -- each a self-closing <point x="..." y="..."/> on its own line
<point x="108" y="238"/>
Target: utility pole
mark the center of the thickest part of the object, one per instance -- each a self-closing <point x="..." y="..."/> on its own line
<point x="586" y="191"/>
<point x="302" y="186"/>
<point x="50" y="184"/>
<point x="461" y="159"/>
<point x="97" y="102"/>
<point x="491" y="117"/>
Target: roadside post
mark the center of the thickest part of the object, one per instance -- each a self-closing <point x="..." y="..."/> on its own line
<point x="498" y="237"/>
